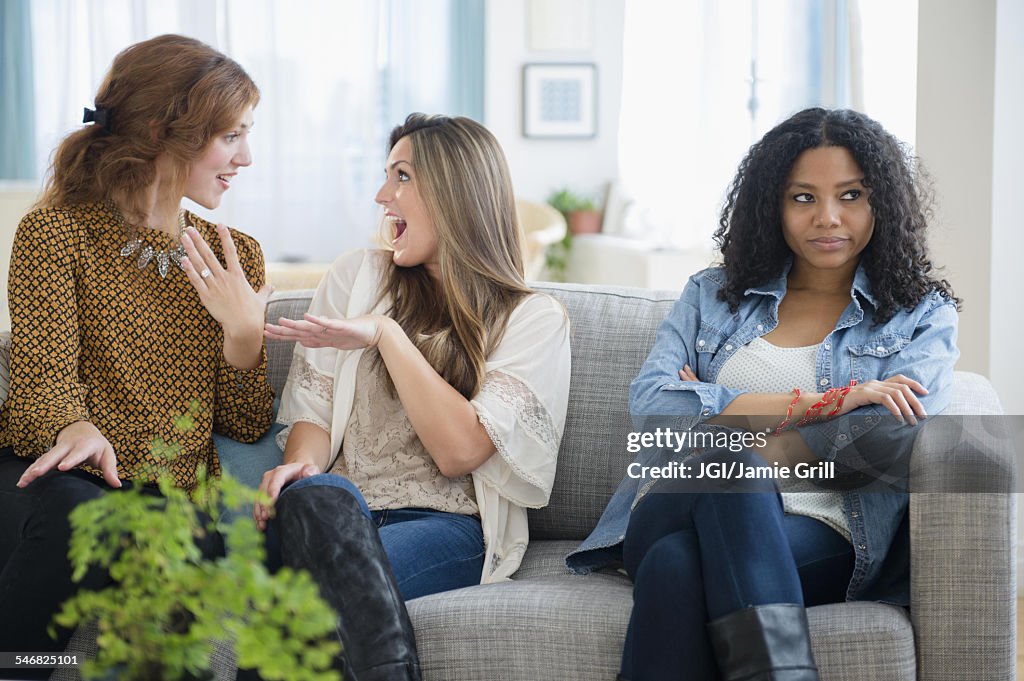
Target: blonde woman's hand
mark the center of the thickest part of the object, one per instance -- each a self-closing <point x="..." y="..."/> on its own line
<point x="274" y="481"/>
<point x="321" y="332"/>
<point x="898" y="394"/>
<point x="77" y="443"/>
<point x="224" y="291"/>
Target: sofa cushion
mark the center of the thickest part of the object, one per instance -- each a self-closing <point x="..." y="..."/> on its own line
<point x="613" y="330"/>
<point x="556" y="627"/>
<point x="545" y="558"/>
<point x="858" y="641"/>
<point x="561" y="627"/>
<point x="292" y="305"/>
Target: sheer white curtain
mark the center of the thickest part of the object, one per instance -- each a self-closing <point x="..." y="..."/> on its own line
<point x="318" y="142"/>
<point x="703" y="80"/>
<point x="684" y="121"/>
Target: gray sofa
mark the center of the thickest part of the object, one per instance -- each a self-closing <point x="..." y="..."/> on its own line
<point x="550" y="624"/>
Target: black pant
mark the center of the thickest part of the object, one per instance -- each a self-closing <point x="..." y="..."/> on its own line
<point x="35" y="573"/>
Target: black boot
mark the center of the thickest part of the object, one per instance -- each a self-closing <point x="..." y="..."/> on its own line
<point x="324" y="531"/>
<point x="764" y="643"/>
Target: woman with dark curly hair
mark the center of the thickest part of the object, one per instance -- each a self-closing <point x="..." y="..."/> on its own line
<point x="823" y="337"/>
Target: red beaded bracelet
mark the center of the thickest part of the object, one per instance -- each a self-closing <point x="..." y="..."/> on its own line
<point x="842" y="396"/>
<point x="831" y="395"/>
<point x="789" y="413"/>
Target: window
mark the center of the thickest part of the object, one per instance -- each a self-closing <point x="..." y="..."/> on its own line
<point x="335" y="77"/>
<point x="702" y="80"/>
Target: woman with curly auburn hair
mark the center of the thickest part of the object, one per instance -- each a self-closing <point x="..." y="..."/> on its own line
<point x="125" y="307"/>
<point x="823" y="337"/>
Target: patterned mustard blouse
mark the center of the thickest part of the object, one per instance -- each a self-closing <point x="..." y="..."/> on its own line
<point x="94" y="338"/>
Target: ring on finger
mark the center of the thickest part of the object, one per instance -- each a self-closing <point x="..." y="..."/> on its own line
<point x="205" y="273"/>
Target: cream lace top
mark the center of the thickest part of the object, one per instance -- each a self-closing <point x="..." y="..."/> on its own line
<point x="762" y="367"/>
<point x="384" y="457"/>
<point x="521" y="403"/>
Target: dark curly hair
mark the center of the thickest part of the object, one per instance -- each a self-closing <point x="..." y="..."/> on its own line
<point x="896" y="258"/>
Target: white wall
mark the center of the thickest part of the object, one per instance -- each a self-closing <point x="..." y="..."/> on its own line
<point x="540" y="166"/>
<point x="1006" y="363"/>
<point x="955" y="98"/>
<point x="970" y="107"/>
<point x="970" y="64"/>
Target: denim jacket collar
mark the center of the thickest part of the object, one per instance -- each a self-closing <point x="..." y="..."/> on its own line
<point x="777" y="287"/>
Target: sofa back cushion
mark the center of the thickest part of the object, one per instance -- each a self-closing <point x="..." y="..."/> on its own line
<point x="292" y="305"/>
<point x="613" y="330"/>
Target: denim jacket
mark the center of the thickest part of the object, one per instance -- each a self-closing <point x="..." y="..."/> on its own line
<point x="702" y="332"/>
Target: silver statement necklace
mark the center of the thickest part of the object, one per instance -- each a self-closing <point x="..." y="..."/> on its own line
<point x="144" y="253"/>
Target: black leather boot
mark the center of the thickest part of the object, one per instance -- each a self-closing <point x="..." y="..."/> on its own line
<point x="764" y="643"/>
<point x="324" y="531"/>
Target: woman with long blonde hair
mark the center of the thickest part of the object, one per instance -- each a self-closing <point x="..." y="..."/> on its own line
<point x="426" y="399"/>
<point x="125" y="307"/>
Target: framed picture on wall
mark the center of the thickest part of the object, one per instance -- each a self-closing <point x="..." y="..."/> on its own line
<point x="560" y="100"/>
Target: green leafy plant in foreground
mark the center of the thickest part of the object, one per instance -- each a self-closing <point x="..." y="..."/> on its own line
<point x="168" y="603"/>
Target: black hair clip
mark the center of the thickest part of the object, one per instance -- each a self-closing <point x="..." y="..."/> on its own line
<point x="100" y="117"/>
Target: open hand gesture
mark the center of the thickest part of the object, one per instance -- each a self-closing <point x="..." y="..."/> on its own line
<point x="223" y="291"/>
<point x="321" y="332"/>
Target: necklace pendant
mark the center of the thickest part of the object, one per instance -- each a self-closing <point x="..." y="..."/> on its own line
<point x="130" y="247"/>
<point x="163" y="262"/>
<point x="145" y="255"/>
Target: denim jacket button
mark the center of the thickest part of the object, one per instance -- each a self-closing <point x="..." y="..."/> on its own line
<point x="728" y="347"/>
<point x="701" y="344"/>
<point x="823" y="381"/>
<point x="854" y="514"/>
<point x="880" y="348"/>
<point x="861" y="546"/>
<point x="706" y="412"/>
<point x="760" y="327"/>
<point x="841" y="436"/>
<point x="828" y="346"/>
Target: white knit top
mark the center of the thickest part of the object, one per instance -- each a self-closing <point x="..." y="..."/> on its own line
<point x="762" y="367"/>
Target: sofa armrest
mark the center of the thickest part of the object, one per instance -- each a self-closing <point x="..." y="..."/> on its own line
<point x="962" y="529"/>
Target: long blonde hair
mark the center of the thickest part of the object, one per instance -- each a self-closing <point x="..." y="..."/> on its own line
<point x="169" y="94"/>
<point x="465" y="183"/>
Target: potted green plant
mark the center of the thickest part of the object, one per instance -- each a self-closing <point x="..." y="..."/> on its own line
<point x="582" y="217"/>
<point x="580" y="211"/>
<point x="168" y="603"/>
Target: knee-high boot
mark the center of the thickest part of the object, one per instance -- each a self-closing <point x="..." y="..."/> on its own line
<point x="764" y="643"/>
<point x="324" y="531"/>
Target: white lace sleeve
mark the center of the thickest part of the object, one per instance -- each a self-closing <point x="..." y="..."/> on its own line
<point x="320" y="385"/>
<point x="531" y="416"/>
<point x="522" y="402"/>
<point x="316" y="385"/>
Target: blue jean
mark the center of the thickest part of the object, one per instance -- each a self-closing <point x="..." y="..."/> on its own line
<point x="696" y="556"/>
<point x="429" y="551"/>
<point x="246" y="462"/>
